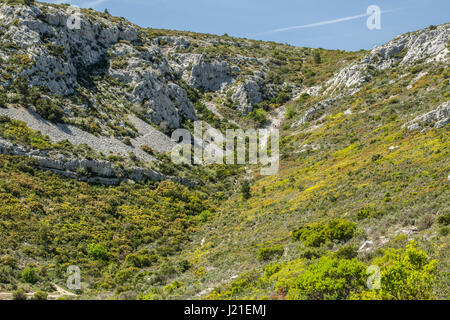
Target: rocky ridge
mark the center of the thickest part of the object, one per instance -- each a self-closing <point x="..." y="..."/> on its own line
<point x="437" y="118"/>
<point x="89" y="170"/>
<point x="428" y="45"/>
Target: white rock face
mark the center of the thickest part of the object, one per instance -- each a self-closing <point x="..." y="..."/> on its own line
<point x="428" y="45"/>
<point x="249" y="93"/>
<point x="437" y="118"/>
<point x="366" y="246"/>
<point x="97" y="171"/>
<point x="177" y="42"/>
<point x="89" y="51"/>
<point x="309" y="114"/>
<point x="202" y="72"/>
<point x="211" y="74"/>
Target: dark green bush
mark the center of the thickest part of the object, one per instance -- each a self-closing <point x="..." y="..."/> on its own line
<point x="184" y="266"/>
<point x="3" y="100"/>
<point x="259" y="115"/>
<point x="347" y="252"/>
<point x="282" y="98"/>
<point x="368" y="213"/>
<point x="270" y="253"/>
<point x="245" y="189"/>
<point x="317" y="57"/>
<point x="48" y="110"/>
<point x="141" y="259"/>
<point x="311" y="254"/>
<point x="19" y="294"/>
<point x="444" y="219"/>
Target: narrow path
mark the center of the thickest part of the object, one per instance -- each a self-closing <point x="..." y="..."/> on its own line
<point x="60" y="293"/>
<point x="211" y="106"/>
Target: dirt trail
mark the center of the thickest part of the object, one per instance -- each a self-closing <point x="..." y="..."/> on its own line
<point x="211" y="106"/>
<point x="60" y="293"/>
<point x="276" y="117"/>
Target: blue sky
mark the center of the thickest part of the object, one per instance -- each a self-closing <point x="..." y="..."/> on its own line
<point x="257" y="19"/>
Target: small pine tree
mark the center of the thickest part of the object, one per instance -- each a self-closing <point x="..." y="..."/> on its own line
<point x="317" y="57"/>
<point x="3" y="100"/>
<point x="245" y="189"/>
<point x="29" y="275"/>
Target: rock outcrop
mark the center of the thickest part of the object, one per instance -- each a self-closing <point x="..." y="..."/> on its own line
<point x="248" y="93"/>
<point x="437" y="118"/>
<point x="310" y="113"/>
<point x="210" y="74"/>
<point x="428" y="45"/>
<point x="64" y="59"/>
<point x="89" y="170"/>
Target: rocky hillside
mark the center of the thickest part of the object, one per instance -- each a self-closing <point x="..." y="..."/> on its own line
<point x="121" y="89"/>
<point x="85" y="177"/>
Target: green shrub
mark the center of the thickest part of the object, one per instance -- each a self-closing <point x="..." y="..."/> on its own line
<point x="366" y="213"/>
<point x="347" y="252"/>
<point x="3" y="100"/>
<point x="444" y="219"/>
<point x="290" y="111"/>
<point x="98" y="252"/>
<point x="141" y="259"/>
<point x="330" y="278"/>
<point x="29" y="275"/>
<point x="317" y="57"/>
<point x="184" y="266"/>
<point x="125" y="275"/>
<point x="315" y="234"/>
<point x="205" y="215"/>
<point x="444" y="231"/>
<point x="270" y="253"/>
<point x="311" y="254"/>
<point x="282" y="98"/>
<point x="406" y="274"/>
<point x="259" y="115"/>
<point x="48" y="110"/>
<point x="271" y="269"/>
<point x="19" y="294"/>
<point x="173" y="286"/>
<point x="40" y="295"/>
<point x="245" y="189"/>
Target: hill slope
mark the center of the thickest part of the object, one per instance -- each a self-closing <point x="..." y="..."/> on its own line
<point x="364" y="163"/>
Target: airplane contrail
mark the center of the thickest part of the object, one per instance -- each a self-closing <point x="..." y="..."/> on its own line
<point x="318" y="24"/>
